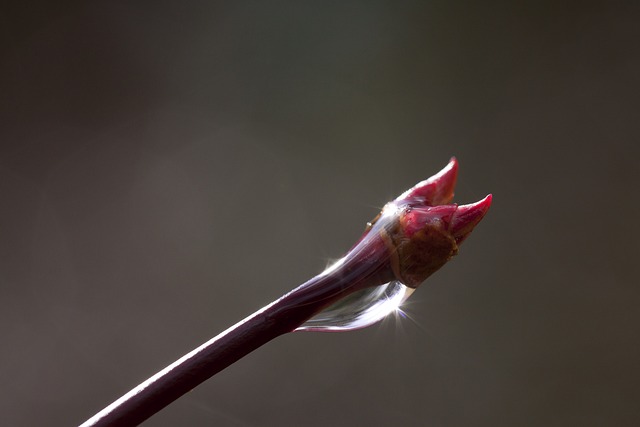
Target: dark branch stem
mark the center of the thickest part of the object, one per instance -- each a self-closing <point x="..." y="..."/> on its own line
<point x="365" y="266"/>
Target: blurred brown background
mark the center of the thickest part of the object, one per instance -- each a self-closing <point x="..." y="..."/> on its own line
<point x="167" y="169"/>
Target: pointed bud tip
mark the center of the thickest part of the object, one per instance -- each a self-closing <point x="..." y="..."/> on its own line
<point x="467" y="217"/>
<point x="438" y="189"/>
<point x="446" y="178"/>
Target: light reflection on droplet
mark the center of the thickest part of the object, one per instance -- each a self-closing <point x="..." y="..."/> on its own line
<point x="360" y="309"/>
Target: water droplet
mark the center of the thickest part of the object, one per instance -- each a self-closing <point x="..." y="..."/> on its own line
<point x="360" y="309"/>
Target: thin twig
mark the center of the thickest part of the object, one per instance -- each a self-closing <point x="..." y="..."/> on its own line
<point x="280" y="317"/>
<point x="414" y="236"/>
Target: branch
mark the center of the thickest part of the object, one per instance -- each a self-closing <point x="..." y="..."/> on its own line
<point x="410" y="239"/>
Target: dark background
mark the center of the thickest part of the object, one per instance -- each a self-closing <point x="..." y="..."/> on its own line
<point x="167" y="169"/>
